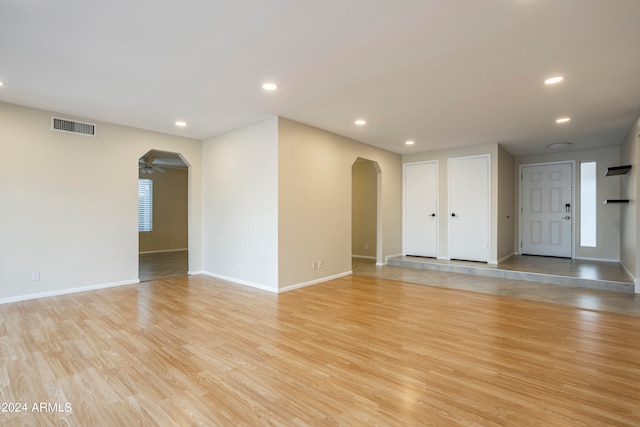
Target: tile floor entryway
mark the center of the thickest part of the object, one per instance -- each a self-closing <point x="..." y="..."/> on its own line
<point x="581" y="297"/>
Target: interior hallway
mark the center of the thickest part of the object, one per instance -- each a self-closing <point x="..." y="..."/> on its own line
<point x="161" y="265"/>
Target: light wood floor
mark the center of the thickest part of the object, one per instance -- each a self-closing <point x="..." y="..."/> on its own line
<point x="353" y="351"/>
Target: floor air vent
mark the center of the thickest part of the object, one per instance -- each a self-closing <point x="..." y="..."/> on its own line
<point x="64" y="125"/>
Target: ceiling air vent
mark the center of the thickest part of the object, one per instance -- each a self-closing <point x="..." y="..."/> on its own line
<point x="64" y="125"/>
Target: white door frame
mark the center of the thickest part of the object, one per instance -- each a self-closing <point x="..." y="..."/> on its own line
<point x="573" y="202"/>
<point x="404" y="208"/>
<point x="489" y="218"/>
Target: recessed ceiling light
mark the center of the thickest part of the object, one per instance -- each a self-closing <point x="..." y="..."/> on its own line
<point x="361" y="122"/>
<point x="409" y="142"/>
<point x="563" y="120"/>
<point x="1" y="83"/>
<point x="181" y="124"/>
<point x="559" y="145"/>
<point x="553" y="80"/>
<point x="269" y="86"/>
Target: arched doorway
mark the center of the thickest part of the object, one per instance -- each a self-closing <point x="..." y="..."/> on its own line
<point x="366" y="221"/>
<point x="163" y="223"/>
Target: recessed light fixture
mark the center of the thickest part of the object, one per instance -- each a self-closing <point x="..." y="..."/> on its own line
<point x="1" y="83"/>
<point x="361" y="122"/>
<point x="553" y="80"/>
<point x="181" y="124"/>
<point x="410" y="142"/>
<point x="269" y="86"/>
<point x="558" y="145"/>
<point x="563" y="120"/>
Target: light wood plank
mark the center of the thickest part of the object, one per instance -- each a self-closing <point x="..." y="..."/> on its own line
<point x="353" y="351"/>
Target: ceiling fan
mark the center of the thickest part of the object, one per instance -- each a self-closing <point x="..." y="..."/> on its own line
<point x="146" y="165"/>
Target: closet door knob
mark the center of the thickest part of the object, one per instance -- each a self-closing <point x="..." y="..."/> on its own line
<point x="454" y="215"/>
<point x="433" y="215"/>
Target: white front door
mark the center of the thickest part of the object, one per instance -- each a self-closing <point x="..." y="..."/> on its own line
<point x="469" y="201"/>
<point x="547" y="211"/>
<point x="420" y="209"/>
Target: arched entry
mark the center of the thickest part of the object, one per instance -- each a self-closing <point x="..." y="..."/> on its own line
<point x="163" y="222"/>
<point x="366" y="220"/>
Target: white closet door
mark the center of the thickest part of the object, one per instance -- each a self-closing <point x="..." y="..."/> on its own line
<point x="469" y="202"/>
<point x="420" y="209"/>
<point x="547" y="192"/>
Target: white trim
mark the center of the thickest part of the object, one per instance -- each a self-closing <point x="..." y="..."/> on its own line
<point x="504" y="258"/>
<point x="240" y="281"/>
<point x="636" y="281"/>
<point x="386" y="258"/>
<point x="279" y="290"/>
<point x="163" y="250"/>
<point x="68" y="291"/>
<point x="363" y="256"/>
<point x="314" y="282"/>
<point x="195" y="273"/>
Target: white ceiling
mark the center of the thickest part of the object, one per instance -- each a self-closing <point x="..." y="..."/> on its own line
<point x="445" y="73"/>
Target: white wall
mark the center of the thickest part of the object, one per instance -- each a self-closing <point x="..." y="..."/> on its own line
<point x="608" y="216"/>
<point x="315" y="202"/>
<point x="240" y="221"/>
<point x="630" y="232"/>
<point x="68" y="203"/>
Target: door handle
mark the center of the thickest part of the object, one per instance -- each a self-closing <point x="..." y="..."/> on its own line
<point x="433" y="215"/>
<point x="566" y="217"/>
<point x="454" y="215"/>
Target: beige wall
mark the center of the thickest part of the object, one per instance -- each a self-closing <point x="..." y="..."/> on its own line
<point x="441" y="156"/>
<point x="170" y="212"/>
<point x="506" y="204"/>
<point x="607" y="216"/>
<point x="314" y="202"/>
<point x="240" y="223"/>
<point x="363" y="209"/>
<point x="68" y="203"/>
<point x="629" y="215"/>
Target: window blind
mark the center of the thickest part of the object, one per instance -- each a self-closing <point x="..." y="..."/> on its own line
<point x="145" y="204"/>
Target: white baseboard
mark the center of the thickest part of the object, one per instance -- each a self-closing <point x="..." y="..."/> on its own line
<point x="503" y="259"/>
<point x="67" y="291"/>
<point x="163" y="251"/>
<point x="240" y="281"/>
<point x="636" y="281"/>
<point x="271" y="289"/>
<point x="387" y="257"/>
<point x="194" y="273"/>
<point x="362" y="256"/>
<point x="313" y="282"/>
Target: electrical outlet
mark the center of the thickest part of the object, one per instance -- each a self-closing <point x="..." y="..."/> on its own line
<point x="366" y="246"/>
<point x="319" y="264"/>
<point x="313" y="265"/>
<point x="35" y="275"/>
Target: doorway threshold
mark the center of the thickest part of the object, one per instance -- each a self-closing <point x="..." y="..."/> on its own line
<point x="608" y="276"/>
